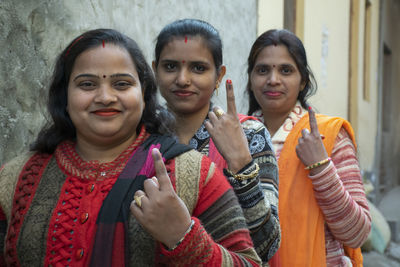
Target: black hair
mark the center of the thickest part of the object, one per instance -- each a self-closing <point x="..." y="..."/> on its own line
<point x="155" y="118"/>
<point x="191" y="27"/>
<point x="297" y="52"/>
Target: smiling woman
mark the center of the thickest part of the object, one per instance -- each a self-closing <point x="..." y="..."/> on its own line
<point x="323" y="210"/>
<point x="188" y="67"/>
<point x="104" y="185"/>
<point x="105" y="111"/>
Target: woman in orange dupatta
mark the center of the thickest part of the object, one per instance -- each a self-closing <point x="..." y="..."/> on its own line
<point x="323" y="210"/>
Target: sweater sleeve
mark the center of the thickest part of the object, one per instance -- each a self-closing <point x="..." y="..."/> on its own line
<point x="220" y="236"/>
<point x="258" y="197"/>
<point x="3" y="227"/>
<point x="340" y="194"/>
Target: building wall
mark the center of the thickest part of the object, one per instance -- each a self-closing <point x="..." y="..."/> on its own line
<point x="367" y="125"/>
<point x="390" y="142"/>
<point x="32" y="33"/>
<point x="326" y="39"/>
<point x="270" y="15"/>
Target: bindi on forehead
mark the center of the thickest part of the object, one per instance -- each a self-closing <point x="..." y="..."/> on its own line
<point x="103" y="44"/>
<point x="186" y="39"/>
<point x="104" y="76"/>
<point x="183" y="61"/>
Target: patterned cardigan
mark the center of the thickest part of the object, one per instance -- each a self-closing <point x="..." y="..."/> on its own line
<point x="49" y="206"/>
<point x="258" y="197"/>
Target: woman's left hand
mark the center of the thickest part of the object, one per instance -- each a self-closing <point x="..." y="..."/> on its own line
<point x="310" y="148"/>
<point x="159" y="209"/>
<point x="227" y="133"/>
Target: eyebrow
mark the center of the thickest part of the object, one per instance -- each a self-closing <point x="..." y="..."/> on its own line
<point x="191" y="62"/>
<point x="122" y="75"/>
<point x="86" y="75"/>
<point x="112" y="76"/>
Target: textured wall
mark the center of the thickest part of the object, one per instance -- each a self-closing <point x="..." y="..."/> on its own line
<point x="33" y="32"/>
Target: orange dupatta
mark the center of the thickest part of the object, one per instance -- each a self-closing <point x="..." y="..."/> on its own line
<point x="302" y="221"/>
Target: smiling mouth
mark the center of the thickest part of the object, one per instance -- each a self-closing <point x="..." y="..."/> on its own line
<point x="182" y="93"/>
<point x="106" y="112"/>
<point x="272" y="93"/>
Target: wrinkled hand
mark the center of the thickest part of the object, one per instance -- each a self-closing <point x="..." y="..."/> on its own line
<point x="227" y="133"/>
<point x="163" y="214"/>
<point x="310" y="148"/>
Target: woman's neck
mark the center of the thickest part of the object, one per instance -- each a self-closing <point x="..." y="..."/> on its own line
<point x="273" y="121"/>
<point x="188" y="124"/>
<point x="102" y="152"/>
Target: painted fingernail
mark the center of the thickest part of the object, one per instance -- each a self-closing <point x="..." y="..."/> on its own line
<point x="229" y="81"/>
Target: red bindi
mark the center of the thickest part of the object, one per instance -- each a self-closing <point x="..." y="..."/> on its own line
<point x="183" y="61"/>
<point x="273" y="66"/>
<point x="185" y="39"/>
<point x="103" y="43"/>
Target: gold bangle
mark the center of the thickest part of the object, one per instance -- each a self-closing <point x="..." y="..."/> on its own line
<point x="312" y="166"/>
<point x="183" y="238"/>
<point x="242" y="176"/>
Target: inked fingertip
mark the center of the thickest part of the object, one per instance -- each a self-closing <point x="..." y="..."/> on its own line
<point x="156" y="153"/>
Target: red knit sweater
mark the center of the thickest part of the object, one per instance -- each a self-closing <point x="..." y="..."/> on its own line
<point x="62" y="234"/>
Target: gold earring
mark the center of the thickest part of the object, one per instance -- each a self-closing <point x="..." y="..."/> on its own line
<point x="216" y="88"/>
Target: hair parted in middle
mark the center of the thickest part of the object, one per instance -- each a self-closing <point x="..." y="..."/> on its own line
<point x="191" y="27"/>
<point x="298" y="53"/>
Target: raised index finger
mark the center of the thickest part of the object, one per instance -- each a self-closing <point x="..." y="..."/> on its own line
<point x="161" y="171"/>
<point x="313" y="121"/>
<point x="230" y="98"/>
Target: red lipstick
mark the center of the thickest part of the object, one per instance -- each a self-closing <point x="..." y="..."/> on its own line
<point x="106" y="112"/>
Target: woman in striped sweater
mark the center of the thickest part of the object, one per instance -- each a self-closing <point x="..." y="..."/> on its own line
<point x="323" y="210"/>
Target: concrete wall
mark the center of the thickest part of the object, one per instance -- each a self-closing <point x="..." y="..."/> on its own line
<point x="33" y="32"/>
<point x="390" y="146"/>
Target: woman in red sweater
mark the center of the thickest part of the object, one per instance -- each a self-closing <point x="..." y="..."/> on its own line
<point x="103" y="186"/>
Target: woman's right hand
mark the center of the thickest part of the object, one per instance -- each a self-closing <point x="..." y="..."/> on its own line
<point x="310" y="148"/>
<point x="162" y="213"/>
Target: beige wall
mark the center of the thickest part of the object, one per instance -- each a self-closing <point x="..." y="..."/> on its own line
<point x="326" y="39"/>
<point x="270" y="15"/>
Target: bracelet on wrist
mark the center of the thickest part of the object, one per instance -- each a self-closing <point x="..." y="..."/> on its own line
<point x="244" y="176"/>
<point x="317" y="164"/>
<point x="183" y="238"/>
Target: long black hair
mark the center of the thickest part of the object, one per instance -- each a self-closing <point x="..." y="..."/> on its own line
<point x="297" y="52"/>
<point x="155" y="118"/>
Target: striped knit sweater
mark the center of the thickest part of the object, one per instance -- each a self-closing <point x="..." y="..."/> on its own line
<point x="50" y="204"/>
<point x="258" y="197"/>
<point x="339" y="191"/>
